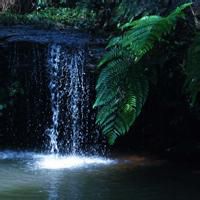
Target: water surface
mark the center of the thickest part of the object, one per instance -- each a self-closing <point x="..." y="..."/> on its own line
<point x="30" y="176"/>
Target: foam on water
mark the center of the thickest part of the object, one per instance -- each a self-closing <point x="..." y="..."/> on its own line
<point x="70" y="162"/>
<point x="55" y="161"/>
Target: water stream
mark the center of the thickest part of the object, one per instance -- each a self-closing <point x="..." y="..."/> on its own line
<point x="70" y="101"/>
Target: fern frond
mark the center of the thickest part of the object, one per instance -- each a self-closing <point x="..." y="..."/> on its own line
<point x="113" y="54"/>
<point x="117" y="68"/>
<point x="141" y="35"/>
<point x="122" y="87"/>
<point x="121" y="93"/>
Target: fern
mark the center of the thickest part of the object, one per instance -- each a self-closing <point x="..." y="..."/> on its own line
<point x="192" y="83"/>
<point x="122" y="87"/>
<point x="142" y="35"/>
<point x="121" y="93"/>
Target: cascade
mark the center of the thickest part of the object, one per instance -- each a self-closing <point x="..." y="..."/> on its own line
<point x="53" y="113"/>
<point x="70" y="99"/>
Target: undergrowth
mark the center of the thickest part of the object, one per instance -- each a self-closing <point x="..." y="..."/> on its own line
<point x="52" y="17"/>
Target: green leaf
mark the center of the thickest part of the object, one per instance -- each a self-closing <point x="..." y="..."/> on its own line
<point x="122" y="87"/>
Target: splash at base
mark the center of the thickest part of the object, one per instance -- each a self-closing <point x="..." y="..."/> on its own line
<point x="37" y="161"/>
<point x="55" y="162"/>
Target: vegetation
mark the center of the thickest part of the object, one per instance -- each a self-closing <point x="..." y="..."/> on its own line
<point x="83" y="14"/>
<point x="52" y="17"/>
<point x="136" y="63"/>
<point x="123" y="84"/>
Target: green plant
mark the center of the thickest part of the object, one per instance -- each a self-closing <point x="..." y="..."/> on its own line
<point x="134" y="9"/>
<point x="141" y="35"/>
<point x="131" y="9"/>
<point x="66" y="16"/>
<point x="122" y="87"/>
<point x="52" y="17"/>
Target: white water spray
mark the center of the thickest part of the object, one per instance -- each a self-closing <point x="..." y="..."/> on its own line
<point x="54" y="69"/>
<point x="69" y="91"/>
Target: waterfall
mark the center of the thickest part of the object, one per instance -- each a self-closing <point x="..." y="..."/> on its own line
<point x="76" y="90"/>
<point x="54" y="69"/>
<point x="54" y="111"/>
<point x="70" y="101"/>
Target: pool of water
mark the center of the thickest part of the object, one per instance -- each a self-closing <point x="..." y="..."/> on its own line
<point x="30" y="176"/>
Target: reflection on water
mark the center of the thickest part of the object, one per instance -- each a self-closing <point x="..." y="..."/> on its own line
<point x="22" y="179"/>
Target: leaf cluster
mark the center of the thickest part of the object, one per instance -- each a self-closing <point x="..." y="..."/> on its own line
<point x="122" y="87"/>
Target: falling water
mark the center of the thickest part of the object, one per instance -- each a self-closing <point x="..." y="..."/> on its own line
<point x="75" y="89"/>
<point x="53" y="63"/>
<point x="69" y="92"/>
